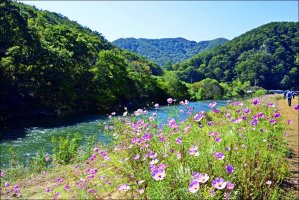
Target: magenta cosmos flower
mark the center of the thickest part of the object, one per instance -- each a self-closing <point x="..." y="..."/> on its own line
<point x="123" y="187"/>
<point x="246" y="110"/>
<point x="194" y="186"/>
<point x="276" y="114"/>
<point x="6" y="184"/>
<point x="219" y="183"/>
<point x="67" y="187"/>
<point x="255" y="101"/>
<point x="296" y="107"/>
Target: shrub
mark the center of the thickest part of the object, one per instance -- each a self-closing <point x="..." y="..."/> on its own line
<point x="260" y="92"/>
<point x="66" y="149"/>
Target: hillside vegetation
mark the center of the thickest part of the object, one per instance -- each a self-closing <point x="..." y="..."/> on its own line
<point x="266" y="56"/>
<point x="167" y="50"/>
<point x="51" y="65"/>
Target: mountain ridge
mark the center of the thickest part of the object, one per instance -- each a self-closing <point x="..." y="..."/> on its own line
<point x="164" y="50"/>
<point x="267" y="52"/>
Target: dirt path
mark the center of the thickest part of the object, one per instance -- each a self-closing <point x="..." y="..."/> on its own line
<point x="291" y="113"/>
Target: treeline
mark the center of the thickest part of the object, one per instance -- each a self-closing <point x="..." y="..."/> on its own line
<point x="266" y="56"/>
<point x="51" y="66"/>
<point x="167" y="51"/>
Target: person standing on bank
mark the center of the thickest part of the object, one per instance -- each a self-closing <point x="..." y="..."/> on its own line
<point x="290" y="94"/>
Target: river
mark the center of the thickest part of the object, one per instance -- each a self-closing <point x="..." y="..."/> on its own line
<point x="28" y="136"/>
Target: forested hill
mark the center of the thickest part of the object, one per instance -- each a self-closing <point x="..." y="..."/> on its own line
<point x="51" y="65"/>
<point x="266" y="56"/>
<point x="162" y="51"/>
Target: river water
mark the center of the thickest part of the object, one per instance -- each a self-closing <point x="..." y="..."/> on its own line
<point x="29" y="136"/>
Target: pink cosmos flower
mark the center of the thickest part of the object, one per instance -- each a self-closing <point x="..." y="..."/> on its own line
<point x="156" y="105"/>
<point x="136" y="157"/>
<point x="141" y="191"/>
<point x="219" y="183"/>
<point x="138" y="112"/>
<point x="296" y="107"/>
<point x="178" y="140"/>
<point x="198" y="117"/>
<point x="238" y="120"/>
<point x="218" y="139"/>
<point x="67" y="187"/>
<point x="272" y="121"/>
<point x="290" y="121"/>
<point x="2" y="173"/>
<point x="158" y="174"/>
<point x="212" y="105"/>
<point x="154" y="161"/>
<point x="47" y="159"/>
<point x="219" y="155"/>
<point x="202" y="178"/>
<point x="194" y="186"/>
<point x="169" y="100"/>
<point x="123" y="187"/>
<point x="178" y="155"/>
<point x="172" y="123"/>
<point x="229" y="185"/>
<point x="6" y="184"/>
<point x="193" y="151"/>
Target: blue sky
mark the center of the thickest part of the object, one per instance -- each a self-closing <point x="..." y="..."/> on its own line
<point x="193" y="20"/>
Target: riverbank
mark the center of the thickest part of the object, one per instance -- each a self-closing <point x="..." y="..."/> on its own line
<point x="245" y="151"/>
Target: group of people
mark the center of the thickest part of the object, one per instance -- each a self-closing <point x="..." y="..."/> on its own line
<point x="289" y="94"/>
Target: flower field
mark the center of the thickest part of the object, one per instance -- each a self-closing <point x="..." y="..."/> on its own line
<point x="233" y="152"/>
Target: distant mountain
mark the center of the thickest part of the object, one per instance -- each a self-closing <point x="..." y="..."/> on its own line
<point x="266" y="56"/>
<point x="161" y="51"/>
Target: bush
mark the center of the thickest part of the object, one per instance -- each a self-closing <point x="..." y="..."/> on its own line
<point x="66" y="149"/>
<point x="39" y="161"/>
<point x="206" y="89"/>
<point x="260" y="92"/>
